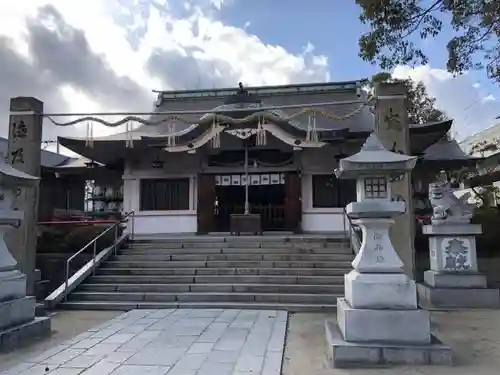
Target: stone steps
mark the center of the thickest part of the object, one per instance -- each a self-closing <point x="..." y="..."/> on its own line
<point x="303" y="298"/>
<point x="255" y="272"/>
<point x="316" y="272"/>
<point x="155" y="249"/>
<point x="245" y="239"/>
<point x="127" y="306"/>
<point x="115" y="263"/>
<point x="216" y="279"/>
<point x="216" y="288"/>
<point x="126" y="257"/>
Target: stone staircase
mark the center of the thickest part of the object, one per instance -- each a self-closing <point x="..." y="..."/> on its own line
<point x="295" y="273"/>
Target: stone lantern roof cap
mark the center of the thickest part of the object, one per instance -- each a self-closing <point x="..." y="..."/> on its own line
<point x="372" y="157"/>
<point x="10" y="176"/>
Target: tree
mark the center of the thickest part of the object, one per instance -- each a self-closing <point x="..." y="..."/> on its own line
<point x="421" y="106"/>
<point x="485" y="191"/>
<point x="485" y="146"/>
<point x="395" y="23"/>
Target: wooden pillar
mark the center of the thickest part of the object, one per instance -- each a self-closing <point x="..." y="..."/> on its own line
<point x="24" y="153"/>
<point x="206" y="203"/>
<point x="392" y="128"/>
<point x="293" y="201"/>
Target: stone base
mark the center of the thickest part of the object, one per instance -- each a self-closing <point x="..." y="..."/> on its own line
<point x="15" y="312"/>
<point x="442" y="298"/>
<point x="343" y="354"/>
<point x="395" y="326"/>
<point x="12" y="285"/>
<point x="40" y="310"/>
<point x="380" y="291"/>
<point x="12" y="338"/>
<point x="455" y="280"/>
<point x="447" y="228"/>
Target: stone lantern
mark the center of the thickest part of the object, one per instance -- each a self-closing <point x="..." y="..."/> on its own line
<point x="379" y="321"/>
<point x="17" y="311"/>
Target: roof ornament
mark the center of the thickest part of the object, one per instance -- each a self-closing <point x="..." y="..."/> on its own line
<point x="242" y="96"/>
<point x="159" y="100"/>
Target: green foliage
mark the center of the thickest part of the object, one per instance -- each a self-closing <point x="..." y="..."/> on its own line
<point x="487" y="242"/>
<point x="421" y="106"/>
<point x="485" y="146"/>
<point x="71" y="239"/>
<point x="396" y="24"/>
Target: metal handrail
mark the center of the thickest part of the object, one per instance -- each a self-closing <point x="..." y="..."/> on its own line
<point x="355" y="239"/>
<point x="94" y="242"/>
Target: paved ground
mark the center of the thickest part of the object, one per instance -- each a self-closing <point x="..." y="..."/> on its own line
<point x="65" y="325"/>
<point x="177" y="342"/>
<point x="473" y="335"/>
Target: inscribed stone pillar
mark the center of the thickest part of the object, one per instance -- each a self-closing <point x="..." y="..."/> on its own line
<point x="392" y="128"/>
<point x="24" y="153"/>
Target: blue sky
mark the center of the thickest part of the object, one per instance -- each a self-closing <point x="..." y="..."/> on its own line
<point x="107" y="55"/>
<point x="333" y="27"/>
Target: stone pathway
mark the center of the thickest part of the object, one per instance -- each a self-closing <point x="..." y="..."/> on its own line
<point x="173" y="342"/>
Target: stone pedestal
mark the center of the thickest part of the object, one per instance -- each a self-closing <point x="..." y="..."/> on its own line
<point x="347" y="354"/>
<point x="453" y="280"/>
<point x="378" y="321"/>
<point x="18" y="323"/>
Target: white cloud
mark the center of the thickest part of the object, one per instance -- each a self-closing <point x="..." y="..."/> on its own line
<point x="459" y="97"/>
<point x="125" y="35"/>
<point x="488" y="98"/>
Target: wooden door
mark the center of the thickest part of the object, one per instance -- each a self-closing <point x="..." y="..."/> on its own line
<point x="206" y="203"/>
<point x="293" y="202"/>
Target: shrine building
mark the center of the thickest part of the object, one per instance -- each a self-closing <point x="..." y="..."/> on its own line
<point x="183" y="177"/>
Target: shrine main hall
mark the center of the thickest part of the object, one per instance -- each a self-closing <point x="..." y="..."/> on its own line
<point x="270" y="151"/>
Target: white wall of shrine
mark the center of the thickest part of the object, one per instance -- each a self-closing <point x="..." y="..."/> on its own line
<point x="319" y="161"/>
<point x="319" y="219"/>
<point x="309" y="162"/>
<point x="183" y="165"/>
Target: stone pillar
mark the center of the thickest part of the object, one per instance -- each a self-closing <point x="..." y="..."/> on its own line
<point x="24" y="154"/>
<point x="392" y="128"/>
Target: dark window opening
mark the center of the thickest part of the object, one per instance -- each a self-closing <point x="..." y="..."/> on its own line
<point x="329" y="192"/>
<point x="165" y="195"/>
